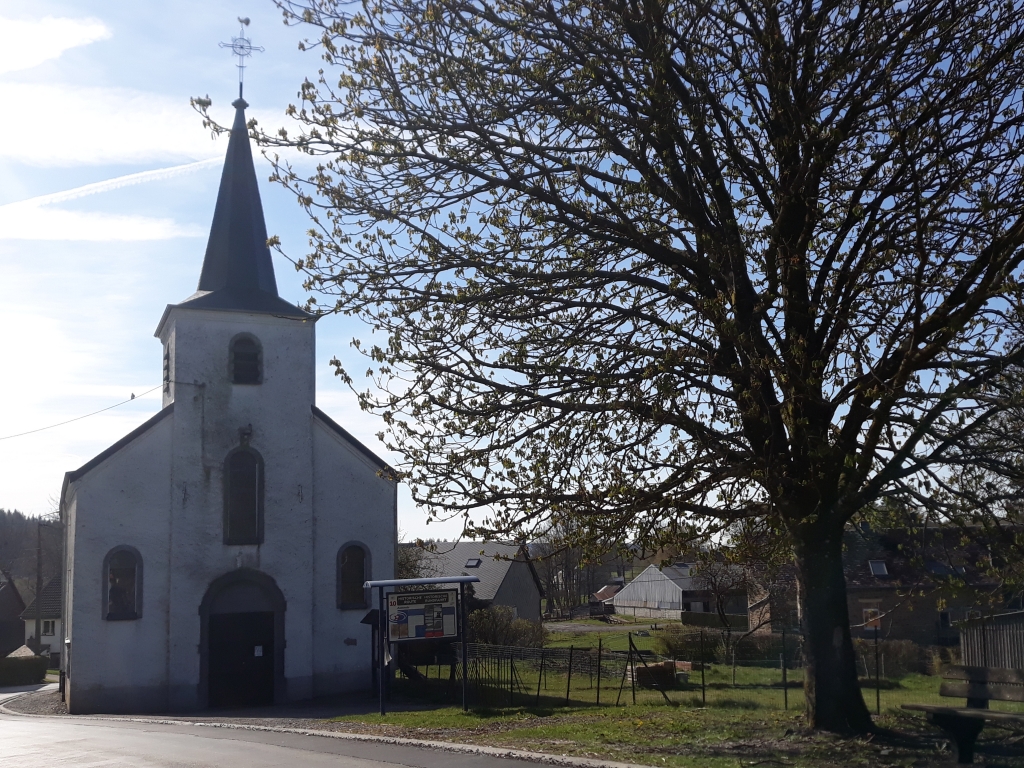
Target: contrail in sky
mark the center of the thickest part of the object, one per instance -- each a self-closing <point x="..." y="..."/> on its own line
<point x="111" y="184"/>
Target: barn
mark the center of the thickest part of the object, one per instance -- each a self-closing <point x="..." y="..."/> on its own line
<point x="671" y="590"/>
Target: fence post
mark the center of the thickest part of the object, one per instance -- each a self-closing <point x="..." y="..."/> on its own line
<point x="878" y="691"/>
<point x="703" y="688"/>
<point x="651" y="674"/>
<point x="734" y="667"/>
<point x="785" y="686"/>
<point x="632" y="668"/>
<point x="568" y="678"/>
<point x="511" y="679"/>
<point x="624" y="670"/>
<point x="540" y="675"/>
<point x="599" y="670"/>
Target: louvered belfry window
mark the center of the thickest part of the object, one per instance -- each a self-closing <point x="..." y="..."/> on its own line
<point x="246" y="361"/>
<point x="243" y="514"/>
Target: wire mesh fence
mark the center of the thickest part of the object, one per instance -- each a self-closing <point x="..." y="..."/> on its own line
<point x="705" y="671"/>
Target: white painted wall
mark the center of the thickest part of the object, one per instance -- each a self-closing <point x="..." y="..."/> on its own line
<point x="52" y="641"/>
<point x="353" y="504"/>
<point x="122" y="501"/>
<point x="163" y="495"/>
<point x="651" y="589"/>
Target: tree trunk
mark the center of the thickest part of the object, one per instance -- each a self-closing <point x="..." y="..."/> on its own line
<point x="834" y="700"/>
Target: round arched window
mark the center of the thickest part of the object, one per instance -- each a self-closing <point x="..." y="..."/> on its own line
<point x="123" y="585"/>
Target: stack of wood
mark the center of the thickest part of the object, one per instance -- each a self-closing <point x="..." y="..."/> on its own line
<point x="664" y="674"/>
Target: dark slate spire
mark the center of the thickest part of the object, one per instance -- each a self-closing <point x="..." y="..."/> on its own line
<point x="238" y="273"/>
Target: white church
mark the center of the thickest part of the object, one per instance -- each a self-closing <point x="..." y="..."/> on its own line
<point x="216" y="555"/>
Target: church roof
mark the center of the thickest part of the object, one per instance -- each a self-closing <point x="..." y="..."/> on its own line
<point x="343" y="433"/>
<point x="238" y="273"/>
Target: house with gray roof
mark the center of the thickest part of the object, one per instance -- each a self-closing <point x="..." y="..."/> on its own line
<point x="12" y="628"/>
<point x="49" y="613"/>
<point x="507" y="575"/>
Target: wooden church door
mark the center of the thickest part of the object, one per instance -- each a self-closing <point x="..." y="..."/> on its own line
<point x="241" y="659"/>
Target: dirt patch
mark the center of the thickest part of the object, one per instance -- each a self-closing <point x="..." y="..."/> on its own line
<point x="47" y="703"/>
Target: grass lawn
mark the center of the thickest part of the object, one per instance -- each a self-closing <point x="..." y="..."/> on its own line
<point x="614" y="637"/>
<point x="709" y="737"/>
<point x="737" y="721"/>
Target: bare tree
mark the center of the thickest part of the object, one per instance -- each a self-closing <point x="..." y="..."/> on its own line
<point x="657" y="267"/>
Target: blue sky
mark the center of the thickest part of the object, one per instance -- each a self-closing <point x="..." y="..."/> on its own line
<point x="107" y="187"/>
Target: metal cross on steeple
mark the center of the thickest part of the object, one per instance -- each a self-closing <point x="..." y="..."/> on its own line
<point x="243" y="48"/>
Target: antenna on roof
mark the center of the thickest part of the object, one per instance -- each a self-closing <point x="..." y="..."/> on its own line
<point x="243" y="48"/>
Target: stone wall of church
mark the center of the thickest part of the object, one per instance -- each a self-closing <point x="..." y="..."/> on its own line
<point x="214" y="417"/>
<point x="352" y="505"/>
<point x="120" y="666"/>
<point x="163" y="495"/>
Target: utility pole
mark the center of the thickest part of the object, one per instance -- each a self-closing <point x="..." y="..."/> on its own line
<point x="39" y="586"/>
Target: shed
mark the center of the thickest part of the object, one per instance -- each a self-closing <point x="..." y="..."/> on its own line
<point x="663" y="593"/>
<point x="993" y="641"/>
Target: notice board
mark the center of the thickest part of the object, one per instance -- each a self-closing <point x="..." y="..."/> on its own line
<point x="422" y="615"/>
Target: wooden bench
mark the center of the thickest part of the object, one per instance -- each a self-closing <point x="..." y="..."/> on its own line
<point x="979" y="685"/>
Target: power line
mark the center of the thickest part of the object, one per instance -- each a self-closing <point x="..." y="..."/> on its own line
<point x="79" y="418"/>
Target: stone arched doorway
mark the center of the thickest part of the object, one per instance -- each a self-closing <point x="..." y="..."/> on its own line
<point x="241" y="641"/>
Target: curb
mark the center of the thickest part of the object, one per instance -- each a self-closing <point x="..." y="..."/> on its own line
<point x="444" y="746"/>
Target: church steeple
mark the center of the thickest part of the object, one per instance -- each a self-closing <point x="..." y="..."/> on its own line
<point x="237" y="256"/>
<point x="238" y="273"/>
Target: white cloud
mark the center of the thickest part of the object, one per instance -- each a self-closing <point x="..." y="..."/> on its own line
<point x="62" y="125"/>
<point x="34" y="219"/>
<point x="27" y="43"/>
<point x="19" y="222"/>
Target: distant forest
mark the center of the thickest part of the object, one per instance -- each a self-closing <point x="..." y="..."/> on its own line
<point x="18" y="549"/>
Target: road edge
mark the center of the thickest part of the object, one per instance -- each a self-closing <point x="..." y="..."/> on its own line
<point x="571" y="761"/>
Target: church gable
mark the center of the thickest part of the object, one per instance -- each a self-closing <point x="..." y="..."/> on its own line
<point x="120" y="447"/>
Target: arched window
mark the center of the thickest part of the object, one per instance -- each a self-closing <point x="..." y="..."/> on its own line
<point x="243" y="497"/>
<point x="122" y="584"/>
<point x="246" y="360"/>
<point x="353" y="571"/>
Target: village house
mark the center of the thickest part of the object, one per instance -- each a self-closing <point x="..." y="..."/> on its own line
<point x="915" y="586"/>
<point x="46" y="606"/>
<point x="507" y="575"/>
<point x="12" y="627"/>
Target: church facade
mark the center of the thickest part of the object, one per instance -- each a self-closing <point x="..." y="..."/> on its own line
<point x="216" y="555"/>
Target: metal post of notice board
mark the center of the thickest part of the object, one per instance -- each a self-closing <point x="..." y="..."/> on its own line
<point x="465" y="643"/>
<point x="384" y="623"/>
<point x="382" y="645"/>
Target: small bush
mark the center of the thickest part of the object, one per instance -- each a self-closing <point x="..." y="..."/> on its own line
<point x="23" y="670"/>
<point x="897" y="658"/>
<point x="766" y="646"/>
<point x="938" y="657"/>
<point x="679" y="642"/>
<point x="497" y="625"/>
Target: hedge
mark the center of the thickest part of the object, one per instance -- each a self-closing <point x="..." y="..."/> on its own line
<point x="23" y="670"/>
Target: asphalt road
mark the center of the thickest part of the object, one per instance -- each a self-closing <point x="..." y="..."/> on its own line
<point x="54" y="742"/>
